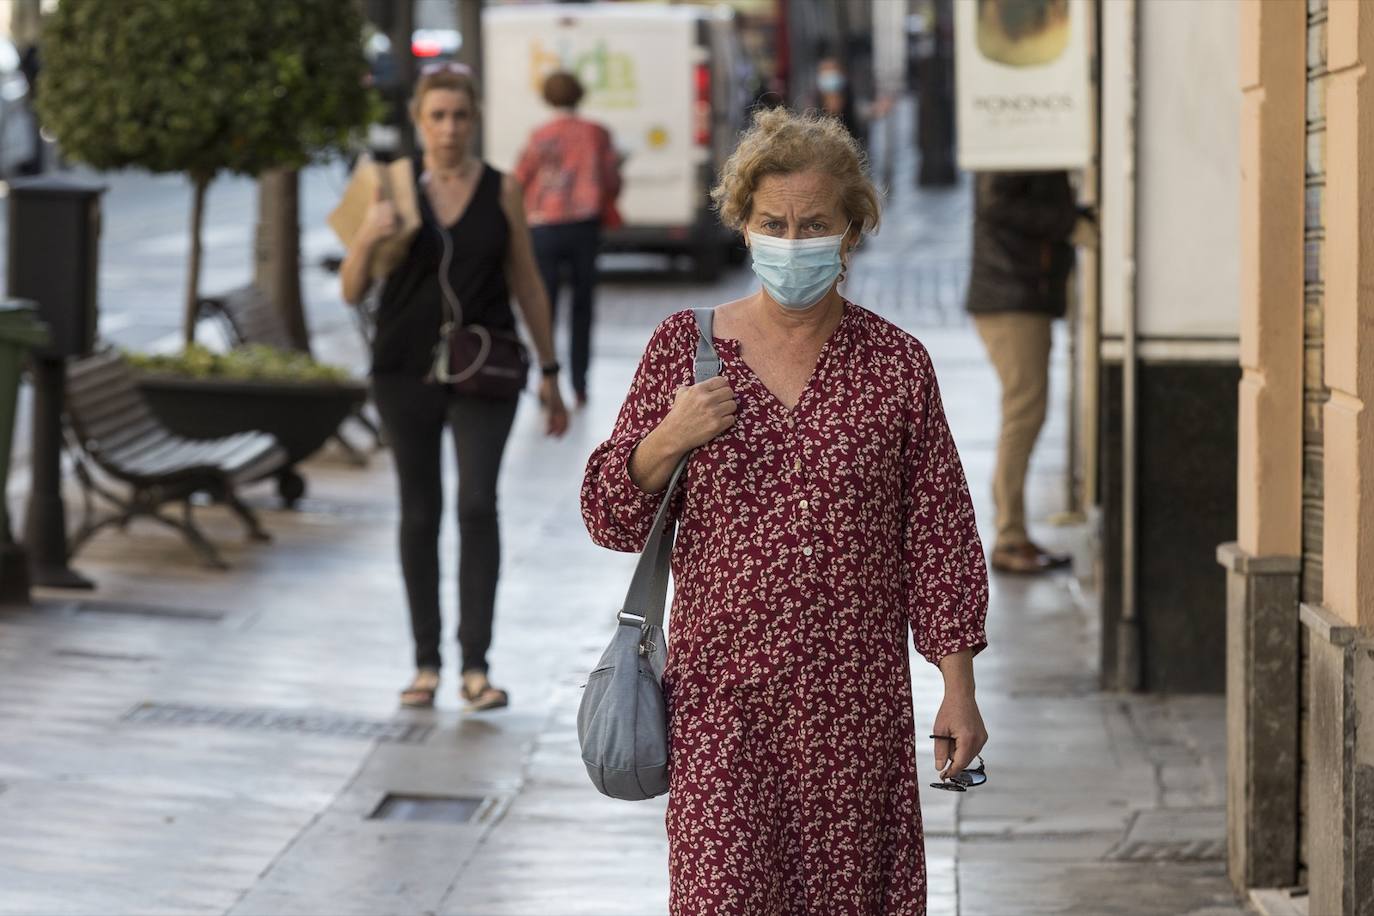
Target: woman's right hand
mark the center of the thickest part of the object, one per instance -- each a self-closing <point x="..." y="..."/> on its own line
<point x="700" y="413"/>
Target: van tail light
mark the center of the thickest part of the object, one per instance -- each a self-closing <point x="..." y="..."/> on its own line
<point x="701" y="110"/>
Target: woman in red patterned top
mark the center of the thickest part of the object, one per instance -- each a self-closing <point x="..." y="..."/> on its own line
<point x="571" y="175"/>
<point x="825" y="515"/>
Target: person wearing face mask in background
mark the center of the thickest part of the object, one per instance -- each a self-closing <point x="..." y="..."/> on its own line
<point x="836" y="97"/>
<point x="824" y="515"/>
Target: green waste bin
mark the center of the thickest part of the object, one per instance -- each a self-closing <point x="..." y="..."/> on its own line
<point x="20" y="332"/>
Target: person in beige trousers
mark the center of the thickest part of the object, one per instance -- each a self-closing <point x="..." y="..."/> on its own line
<point x="1018" y="287"/>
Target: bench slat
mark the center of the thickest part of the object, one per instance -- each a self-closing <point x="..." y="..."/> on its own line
<point x="119" y="431"/>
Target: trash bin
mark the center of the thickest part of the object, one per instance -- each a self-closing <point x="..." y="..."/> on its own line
<point x="20" y="332"/>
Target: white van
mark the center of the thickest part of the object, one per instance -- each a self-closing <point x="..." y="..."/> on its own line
<point x="668" y="83"/>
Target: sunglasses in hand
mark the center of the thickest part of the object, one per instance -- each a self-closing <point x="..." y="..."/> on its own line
<point x="965" y="779"/>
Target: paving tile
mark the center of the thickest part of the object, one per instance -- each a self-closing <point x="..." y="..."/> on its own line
<point x="343" y="864"/>
<point x="994" y="881"/>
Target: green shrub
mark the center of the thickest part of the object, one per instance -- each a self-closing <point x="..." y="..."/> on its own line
<point x="203" y="87"/>
<point x="252" y="362"/>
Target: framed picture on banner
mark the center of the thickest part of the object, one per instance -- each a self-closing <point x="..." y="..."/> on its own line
<point x="1022" y="94"/>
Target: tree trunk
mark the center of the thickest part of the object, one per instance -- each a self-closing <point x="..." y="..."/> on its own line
<point x="199" y="184"/>
<point x="277" y="253"/>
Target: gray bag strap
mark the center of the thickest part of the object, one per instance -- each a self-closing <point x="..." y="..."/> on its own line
<point x="644" y="603"/>
<point x="707" y="362"/>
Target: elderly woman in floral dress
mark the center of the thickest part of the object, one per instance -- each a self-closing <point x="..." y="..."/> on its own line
<point x="825" y="513"/>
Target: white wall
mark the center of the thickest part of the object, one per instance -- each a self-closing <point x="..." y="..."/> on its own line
<point x="1187" y="171"/>
<point x="1116" y="209"/>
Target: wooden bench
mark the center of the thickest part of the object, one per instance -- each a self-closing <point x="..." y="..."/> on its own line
<point x="248" y="316"/>
<point x="112" y="427"/>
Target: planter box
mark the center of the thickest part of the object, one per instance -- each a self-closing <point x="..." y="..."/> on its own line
<point x="301" y="415"/>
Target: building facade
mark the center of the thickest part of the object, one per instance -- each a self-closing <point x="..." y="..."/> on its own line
<point x="1165" y="339"/>
<point x="1228" y="410"/>
<point x="1300" y="593"/>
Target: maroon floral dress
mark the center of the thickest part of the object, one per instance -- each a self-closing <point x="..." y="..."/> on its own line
<point x="809" y="541"/>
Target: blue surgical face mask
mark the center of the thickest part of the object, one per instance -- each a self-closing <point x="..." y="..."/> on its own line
<point x="797" y="273"/>
<point x="830" y="81"/>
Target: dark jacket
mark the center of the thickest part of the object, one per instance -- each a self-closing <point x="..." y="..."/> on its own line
<point x="1021" y="252"/>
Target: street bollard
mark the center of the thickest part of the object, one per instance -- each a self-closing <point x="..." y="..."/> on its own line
<point x="20" y="332"/>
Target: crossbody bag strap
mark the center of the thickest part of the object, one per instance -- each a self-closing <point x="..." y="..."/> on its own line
<point x="452" y="306"/>
<point x="645" y="601"/>
<point x="453" y="309"/>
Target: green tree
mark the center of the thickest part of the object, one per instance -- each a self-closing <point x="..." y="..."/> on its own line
<point x="203" y="86"/>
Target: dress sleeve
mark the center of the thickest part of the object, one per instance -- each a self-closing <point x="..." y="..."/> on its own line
<point x="618" y="514"/>
<point x="945" y="577"/>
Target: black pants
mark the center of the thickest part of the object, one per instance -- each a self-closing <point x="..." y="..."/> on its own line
<point x="414" y="413"/>
<point x="574" y="245"/>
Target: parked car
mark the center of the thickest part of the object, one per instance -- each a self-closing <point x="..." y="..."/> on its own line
<point x="670" y="82"/>
<point x="19" y="142"/>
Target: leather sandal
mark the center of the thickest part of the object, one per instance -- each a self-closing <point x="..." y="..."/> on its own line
<point x="1027" y="559"/>
<point x="480" y="695"/>
<point x="420" y="692"/>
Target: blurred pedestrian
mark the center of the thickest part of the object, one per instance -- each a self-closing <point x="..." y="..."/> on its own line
<point x="474" y="245"/>
<point x="31" y="64"/>
<point x="1018" y="286"/>
<point x="825" y="513"/>
<point x="836" y="97"/>
<point x="571" y="174"/>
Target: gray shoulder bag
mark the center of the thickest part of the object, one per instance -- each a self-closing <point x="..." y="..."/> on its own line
<point x="622" y="722"/>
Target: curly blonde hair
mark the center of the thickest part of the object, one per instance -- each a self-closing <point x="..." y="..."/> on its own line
<point x="781" y="142"/>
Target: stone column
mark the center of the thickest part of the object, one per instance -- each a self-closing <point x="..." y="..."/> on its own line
<point x="1341" y="752"/>
<point x="1262" y="740"/>
<point x="1262" y="566"/>
<point x="1340" y="757"/>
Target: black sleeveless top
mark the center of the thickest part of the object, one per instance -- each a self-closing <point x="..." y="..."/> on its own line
<point x="411" y="309"/>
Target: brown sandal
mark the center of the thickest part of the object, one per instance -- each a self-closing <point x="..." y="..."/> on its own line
<point x="479" y="693"/>
<point x="420" y="693"/>
<point x="1027" y="559"/>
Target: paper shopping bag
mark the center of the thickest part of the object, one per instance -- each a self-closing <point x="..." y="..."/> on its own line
<point x="397" y="183"/>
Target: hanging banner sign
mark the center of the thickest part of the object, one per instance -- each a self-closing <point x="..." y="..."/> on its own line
<point x="1021" y="84"/>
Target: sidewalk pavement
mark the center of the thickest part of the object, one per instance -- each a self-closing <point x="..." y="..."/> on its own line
<point x="185" y="741"/>
<point x="132" y="781"/>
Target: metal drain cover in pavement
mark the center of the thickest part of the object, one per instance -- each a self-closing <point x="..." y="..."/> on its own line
<point x="287" y="721"/>
<point x="431" y="809"/>
<point x="120" y="609"/>
<point x="91" y="655"/>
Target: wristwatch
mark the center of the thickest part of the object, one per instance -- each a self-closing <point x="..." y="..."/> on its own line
<point x="550" y="369"/>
